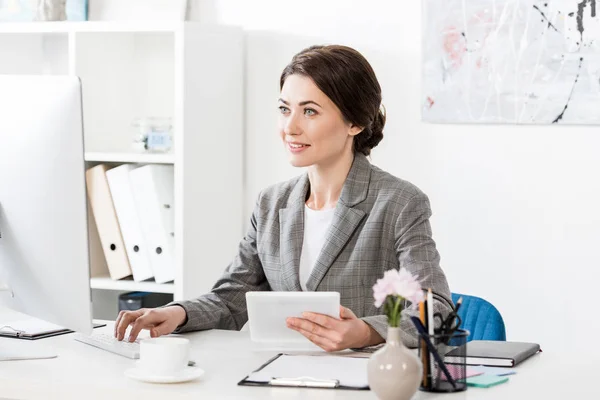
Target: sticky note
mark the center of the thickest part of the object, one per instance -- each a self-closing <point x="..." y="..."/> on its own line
<point x="486" y="381"/>
<point x="456" y="372"/>
<point x="494" y="370"/>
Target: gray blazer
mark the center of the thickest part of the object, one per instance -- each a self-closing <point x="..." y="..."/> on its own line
<point x="380" y="222"/>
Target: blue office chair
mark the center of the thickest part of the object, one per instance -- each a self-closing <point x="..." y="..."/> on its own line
<point x="480" y="318"/>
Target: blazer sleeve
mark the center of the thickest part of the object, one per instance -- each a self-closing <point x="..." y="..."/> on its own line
<point x="225" y="306"/>
<point x="416" y="251"/>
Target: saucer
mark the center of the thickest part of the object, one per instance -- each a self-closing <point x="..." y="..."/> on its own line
<point x="185" y="375"/>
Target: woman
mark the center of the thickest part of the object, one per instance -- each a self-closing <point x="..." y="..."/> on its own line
<point x="336" y="228"/>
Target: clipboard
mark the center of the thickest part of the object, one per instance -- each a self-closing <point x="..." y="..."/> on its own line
<point x="7" y="331"/>
<point x="305" y="380"/>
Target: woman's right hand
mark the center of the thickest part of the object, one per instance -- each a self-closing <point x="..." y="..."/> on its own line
<point x="160" y="321"/>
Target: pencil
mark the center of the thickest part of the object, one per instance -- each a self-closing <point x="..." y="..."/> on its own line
<point x="431" y="331"/>
<point x="423" y="346"/>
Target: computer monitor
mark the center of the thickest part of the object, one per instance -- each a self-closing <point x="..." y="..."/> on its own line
<point x="44" y="255"/>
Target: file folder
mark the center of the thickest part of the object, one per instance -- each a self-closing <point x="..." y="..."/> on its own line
<point x="107" y="222"/>
<point x="154" y="191"/>
<point x="127" y="215"/>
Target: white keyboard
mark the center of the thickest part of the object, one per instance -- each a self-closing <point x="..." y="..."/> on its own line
<point x="109" y="343"/>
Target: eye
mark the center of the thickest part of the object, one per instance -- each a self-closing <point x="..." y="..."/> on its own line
<point x="283" y="109"/>
<point x="309" y="112"/>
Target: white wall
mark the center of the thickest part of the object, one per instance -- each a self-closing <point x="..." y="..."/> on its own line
<point x="516" y="208"/>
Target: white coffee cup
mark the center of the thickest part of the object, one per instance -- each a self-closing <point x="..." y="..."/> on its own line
<point x="164" y="355"/>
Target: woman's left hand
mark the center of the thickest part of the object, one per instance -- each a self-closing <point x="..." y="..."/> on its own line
<point x="332" y="334"/>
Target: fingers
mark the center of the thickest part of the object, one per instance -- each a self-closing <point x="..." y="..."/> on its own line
<point x="320" y="319"/>
<point x="125" y="319"/>
<point x="346" y="313"/>
<point x="306" y="325"/>
<point x="331" y="334"/>
<point x="121" y="313"/>
<point x="149" y="319"/>
<point x="160" y="329"/>
<point x="314" y="329"/>
<point x="323" y="342"/>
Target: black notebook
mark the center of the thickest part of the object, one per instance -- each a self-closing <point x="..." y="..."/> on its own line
<point x="493" y="353"/>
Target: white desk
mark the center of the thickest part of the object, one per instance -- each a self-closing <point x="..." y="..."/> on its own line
<point x="82" y="371"/>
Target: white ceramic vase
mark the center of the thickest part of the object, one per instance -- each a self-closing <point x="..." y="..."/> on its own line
<point x="394" y="371"/>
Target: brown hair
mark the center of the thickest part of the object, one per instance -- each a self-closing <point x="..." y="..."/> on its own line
<point x="348" y="79"/>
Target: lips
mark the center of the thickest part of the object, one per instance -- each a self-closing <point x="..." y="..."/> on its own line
<point x="296" y="147"/>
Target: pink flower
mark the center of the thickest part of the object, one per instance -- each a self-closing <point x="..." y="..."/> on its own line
<point x="408" y="287"/>
<point x="384" y="287"/>
<point x="397" y="283"/>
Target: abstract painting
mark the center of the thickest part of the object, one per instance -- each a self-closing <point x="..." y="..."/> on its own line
<point x="511" y="61"/>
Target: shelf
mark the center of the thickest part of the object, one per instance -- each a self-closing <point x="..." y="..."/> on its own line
<point x="91" y="26"/>
<point x="106" y="283"/>
<point x="136" y="158"/>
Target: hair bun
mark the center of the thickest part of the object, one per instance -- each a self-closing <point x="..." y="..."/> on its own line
<point x="372" y="135"/>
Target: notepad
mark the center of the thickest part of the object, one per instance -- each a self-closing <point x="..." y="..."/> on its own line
<point x="350" y="372"/>
<point x="492" y="353"/>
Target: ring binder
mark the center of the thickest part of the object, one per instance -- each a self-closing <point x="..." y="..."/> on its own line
<point x="305" y="381"/>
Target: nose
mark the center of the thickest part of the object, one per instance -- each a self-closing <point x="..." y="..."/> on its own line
<point x="291" y="125"/>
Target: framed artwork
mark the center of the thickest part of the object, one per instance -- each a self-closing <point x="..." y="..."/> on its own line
<point x="511" y="61"/>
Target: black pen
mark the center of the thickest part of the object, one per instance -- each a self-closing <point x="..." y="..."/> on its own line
<point x="417" y="322"/>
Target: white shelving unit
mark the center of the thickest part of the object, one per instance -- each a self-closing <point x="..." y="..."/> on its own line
<point x="187" y="71"/>
<point x="94" y="26"/>
<point x="134" y="158"/>
<point x="105" y="283"/>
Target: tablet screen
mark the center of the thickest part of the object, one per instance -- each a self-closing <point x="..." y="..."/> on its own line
<point x="268" y="311"/>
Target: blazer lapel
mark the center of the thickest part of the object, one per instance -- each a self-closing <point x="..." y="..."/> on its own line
<point x="345" y="220"/>
<point x="291" y="234"/>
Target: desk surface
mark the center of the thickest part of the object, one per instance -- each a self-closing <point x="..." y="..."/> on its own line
<point x="226" y="357"/>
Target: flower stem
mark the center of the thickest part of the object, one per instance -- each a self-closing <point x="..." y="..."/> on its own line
<point x="389" y="309"/>
<point x="396" y="312"/>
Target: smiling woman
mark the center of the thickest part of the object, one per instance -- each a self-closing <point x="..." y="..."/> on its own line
<point x="346" y="87"/>
<point x="338" y="227"/>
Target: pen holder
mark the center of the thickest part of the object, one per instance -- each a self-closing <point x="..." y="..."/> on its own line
<point x="439" y="376"/>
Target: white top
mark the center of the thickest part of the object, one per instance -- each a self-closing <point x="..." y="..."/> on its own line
<point x="316" y="226"/>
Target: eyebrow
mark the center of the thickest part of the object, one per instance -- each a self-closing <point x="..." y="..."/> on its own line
<point x="302" y="103"/>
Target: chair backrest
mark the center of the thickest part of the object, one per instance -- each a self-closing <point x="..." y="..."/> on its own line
<point x="480" y="318"/>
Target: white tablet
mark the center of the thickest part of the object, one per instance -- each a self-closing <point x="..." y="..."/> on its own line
<point x="268" y="311"/>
